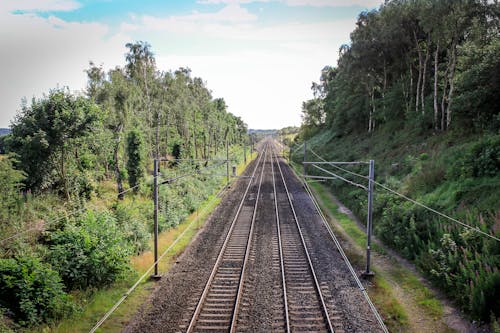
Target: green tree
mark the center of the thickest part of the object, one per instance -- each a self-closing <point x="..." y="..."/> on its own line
<point x="136" y="160"/>
<point x="45" y="134"/>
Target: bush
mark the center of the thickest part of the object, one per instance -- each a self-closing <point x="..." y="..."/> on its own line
<point x="133" y="222"/>
<point x="92" y="253"/>
<point x="31" y="291"/>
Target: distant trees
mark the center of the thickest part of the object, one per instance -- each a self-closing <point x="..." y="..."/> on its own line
<point x="411" y="63"/>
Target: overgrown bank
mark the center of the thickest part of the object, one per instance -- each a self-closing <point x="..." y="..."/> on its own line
<point x="76" y="182"/>
<point x="456" y="176"/>
<point x="416" y="89"/>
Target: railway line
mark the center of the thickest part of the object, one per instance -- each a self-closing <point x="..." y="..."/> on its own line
<point x="301" y="303"/>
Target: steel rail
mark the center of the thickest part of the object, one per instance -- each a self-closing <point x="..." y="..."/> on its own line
<point x="234" y="317"/>
<point x="204" y="295"/>
<point x="282" y="264"/>
<point x="311" y="267"/>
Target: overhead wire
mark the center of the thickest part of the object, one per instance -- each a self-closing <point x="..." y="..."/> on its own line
<point x="148" y="271"/>
<point x="465" y="225"/>
<point x="363" y="290"/>
<point x="21" y="233"/>
<point x="340" y="177"/>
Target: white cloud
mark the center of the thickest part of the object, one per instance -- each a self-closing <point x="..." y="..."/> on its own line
<point x="38" y="5"/>
<point x="266" y="85"/>
<point x="264" y="77"/>
<point x="45" y="53"/>
<point x="227" y="16"/>
<point x="312" y="3"/>
<point x="335" y="3"/>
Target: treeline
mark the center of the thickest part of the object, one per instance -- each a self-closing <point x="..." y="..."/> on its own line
<point x="69" y="219"/>
<point x="417" y="91"/>
<point x="426" y="64"/>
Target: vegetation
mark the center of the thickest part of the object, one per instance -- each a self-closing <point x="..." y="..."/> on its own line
<point x="416" y="90"/>
<point x="66" y="205"/>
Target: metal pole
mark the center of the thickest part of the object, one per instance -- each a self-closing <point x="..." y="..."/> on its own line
<point x="369" y="218"/>
<point x="245" y="151"/>
<point x="155" y="173"/>
<point x="227" y="162"/>
<point x="303" y="164"/>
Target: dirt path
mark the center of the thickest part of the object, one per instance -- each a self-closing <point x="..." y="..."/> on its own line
<point x="390" y="265"/>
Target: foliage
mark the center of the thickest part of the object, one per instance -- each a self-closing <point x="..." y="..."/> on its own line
<point x="132" y="219"/>
<point x="31" y="291"/>
<point x="430" y="65"/>
<point x="136" y="158"/>
<point x="10" y="187"/>
<point x="45" y="134"/>
<point x="92" y="252"/>
<point x="67" y="149"/>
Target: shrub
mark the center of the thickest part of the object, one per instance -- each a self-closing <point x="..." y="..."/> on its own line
<point x="91" y="253"/>
<point x="31" y="291"/>
<point x="133" y="223"/>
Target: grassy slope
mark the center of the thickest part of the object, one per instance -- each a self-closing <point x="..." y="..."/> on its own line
<point x="417" y="165"/>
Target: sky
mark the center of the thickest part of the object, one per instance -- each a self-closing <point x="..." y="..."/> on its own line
<point x="261" y="56"/>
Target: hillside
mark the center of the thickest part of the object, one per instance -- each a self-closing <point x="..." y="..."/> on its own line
<point x="416" y="91"/>
<point x="4" y="131"/>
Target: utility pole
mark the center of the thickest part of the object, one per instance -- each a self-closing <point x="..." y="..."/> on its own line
<point x="227" y="162"/>
<point x="304" y="159"/>
<point x="371" y="176"/>
<point x="245" y="151"/>
<point x="155" y="198"/>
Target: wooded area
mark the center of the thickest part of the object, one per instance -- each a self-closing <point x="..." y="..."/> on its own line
<point x="68" y="220"/>
<point x="417" y="91"/>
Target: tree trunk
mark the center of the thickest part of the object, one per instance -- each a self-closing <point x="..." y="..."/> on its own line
<point x="443" y="100"/>
<point x="422" y="88"/>
<point x="436" y="109"/>
<point x="419" y="72"/>
<point x="119" y="181"/>
<point x="450" y="80"/>
<point x="371" y="120"/>
<point x="63" y="173"/>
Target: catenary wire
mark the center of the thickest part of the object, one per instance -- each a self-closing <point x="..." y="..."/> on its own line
<point x="467" y="226"/>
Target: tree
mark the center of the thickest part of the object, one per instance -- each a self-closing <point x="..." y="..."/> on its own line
<point x="135" y="162"/>
<point x="44" y="134"/>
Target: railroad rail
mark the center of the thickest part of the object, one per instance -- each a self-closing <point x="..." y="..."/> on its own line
<point x="302" y="303"/>
<point x="217" y="308"/>
<point x="306" y="309"/>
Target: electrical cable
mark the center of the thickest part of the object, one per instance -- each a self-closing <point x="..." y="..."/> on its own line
<point x="467" y="226"/>
<point x="346" y="260"/>
<point x="136" y="284"/>
<point x="336" y="166"/>
<point x="342" y="253"/>
<point x="341" y="178"/>
<point x="45" y="224"/>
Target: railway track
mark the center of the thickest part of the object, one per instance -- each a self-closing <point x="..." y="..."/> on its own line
<point x="299" y="298"/>
<point x="217" y="308"/>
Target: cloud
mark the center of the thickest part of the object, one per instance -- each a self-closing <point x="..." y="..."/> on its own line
<point x="334" y="3"/>
<point x="39" y="54"/>
<point x="228" y="15"/>
<point x="312" y="3"/>
<point x="38" y="5"/>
